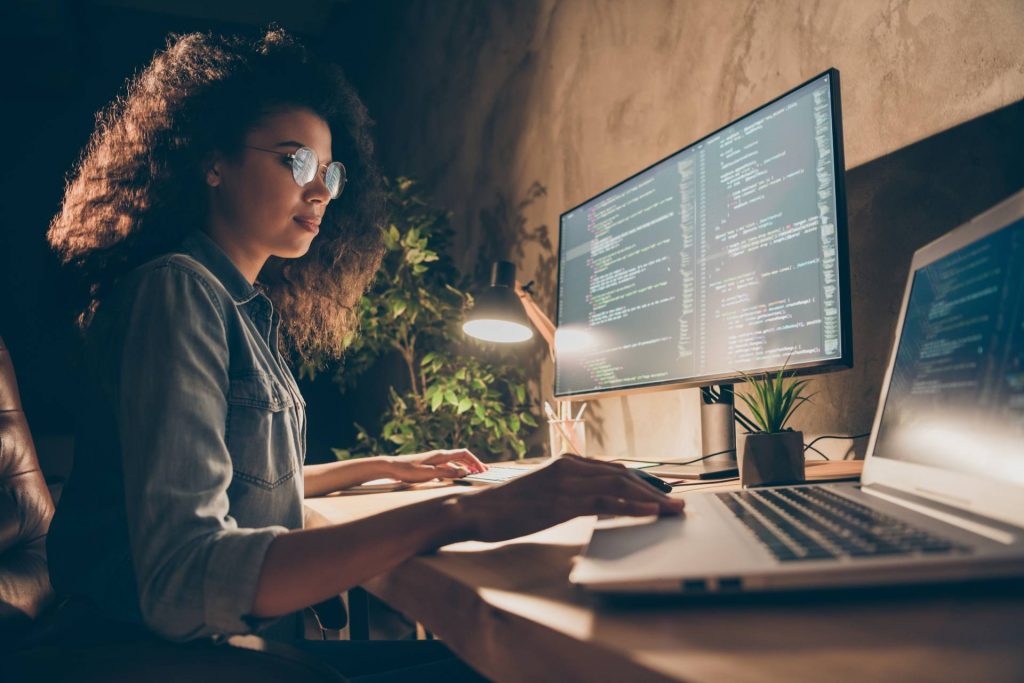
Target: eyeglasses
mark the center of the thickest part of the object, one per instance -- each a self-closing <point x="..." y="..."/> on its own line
<point x="305" y="164"/>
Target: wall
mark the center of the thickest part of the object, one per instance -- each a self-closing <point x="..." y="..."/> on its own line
<point x="512" y="112"/>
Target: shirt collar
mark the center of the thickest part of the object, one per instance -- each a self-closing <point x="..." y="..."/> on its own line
<point x="199" y="246"/>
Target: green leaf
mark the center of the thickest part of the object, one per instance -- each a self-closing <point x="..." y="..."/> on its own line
<point x="413" y="306"/>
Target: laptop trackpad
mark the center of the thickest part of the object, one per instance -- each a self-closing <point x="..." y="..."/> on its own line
<point x="702" y="540"/>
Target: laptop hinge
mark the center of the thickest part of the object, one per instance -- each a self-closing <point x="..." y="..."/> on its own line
<point x="967" y="521"/>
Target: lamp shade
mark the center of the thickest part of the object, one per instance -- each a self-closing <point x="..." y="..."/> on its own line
<point x="497" y="314"/>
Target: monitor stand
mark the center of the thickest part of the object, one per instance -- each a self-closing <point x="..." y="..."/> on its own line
<point x="717" y="438"/>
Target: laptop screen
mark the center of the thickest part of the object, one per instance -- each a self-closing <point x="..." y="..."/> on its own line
<point x="956" y="398"/>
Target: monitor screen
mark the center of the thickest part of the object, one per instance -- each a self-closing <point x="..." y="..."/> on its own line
<point x="728" y="256"/>
<point x="956" y="394"/>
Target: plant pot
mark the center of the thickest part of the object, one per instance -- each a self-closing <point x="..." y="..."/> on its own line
<point x="770" y="459"/>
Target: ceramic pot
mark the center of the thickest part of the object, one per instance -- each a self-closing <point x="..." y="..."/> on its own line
<point x="770" y="459"/>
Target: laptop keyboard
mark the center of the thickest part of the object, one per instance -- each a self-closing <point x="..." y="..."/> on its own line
<point x="814" y="523"/>
<point x="496" y="474"/>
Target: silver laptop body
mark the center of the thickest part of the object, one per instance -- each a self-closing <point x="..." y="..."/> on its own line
<point x="944" y="467"/>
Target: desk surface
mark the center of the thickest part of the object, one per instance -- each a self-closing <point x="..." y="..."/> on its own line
<point x="508" y="609"/>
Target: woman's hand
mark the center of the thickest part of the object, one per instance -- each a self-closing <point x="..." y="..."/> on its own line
<point x="569" y="487"/>
<point x="442" y="464"/>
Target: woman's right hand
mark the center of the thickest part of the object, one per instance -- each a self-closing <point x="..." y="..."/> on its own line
<point x="568" y="487"/>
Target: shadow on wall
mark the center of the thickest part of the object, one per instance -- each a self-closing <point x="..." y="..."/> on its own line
<point x="896" y="204"/>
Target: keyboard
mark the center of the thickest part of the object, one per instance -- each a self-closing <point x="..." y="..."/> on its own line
<point x="495" y="474"/>
<point x="814" y="523"/>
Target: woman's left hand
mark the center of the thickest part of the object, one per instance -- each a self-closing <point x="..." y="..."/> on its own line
<point x="441" y="464"/>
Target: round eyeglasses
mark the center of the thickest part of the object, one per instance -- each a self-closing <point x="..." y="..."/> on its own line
<point x="305" y="164"/>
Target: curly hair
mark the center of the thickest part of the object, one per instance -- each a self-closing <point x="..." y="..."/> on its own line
<point x="138" y="187"/>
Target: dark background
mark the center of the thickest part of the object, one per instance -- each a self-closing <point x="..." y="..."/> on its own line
<point x="65" y="61"/>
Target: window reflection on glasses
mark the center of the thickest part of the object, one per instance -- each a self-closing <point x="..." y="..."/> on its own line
<point x="305" y="164"/>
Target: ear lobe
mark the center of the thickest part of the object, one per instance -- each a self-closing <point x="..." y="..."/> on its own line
<point x="213" y="175"/>
<point x="212" y="166"/>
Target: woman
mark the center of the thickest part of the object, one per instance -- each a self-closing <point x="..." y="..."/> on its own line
<point x="228" y="206"/>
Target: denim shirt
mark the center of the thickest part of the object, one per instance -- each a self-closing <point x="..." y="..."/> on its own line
<point x="188" y="461"/>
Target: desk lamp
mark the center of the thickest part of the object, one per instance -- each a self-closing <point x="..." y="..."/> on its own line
<point x="498" y="317"/>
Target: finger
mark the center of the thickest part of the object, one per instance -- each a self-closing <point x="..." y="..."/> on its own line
<point x="467" y="459"/>
<point x="620" y="485"/>
<point x="589" y="466"/>
<point x="611" y="505"/>
<point x="450" y="471"/>
<point x="461" y="456"/>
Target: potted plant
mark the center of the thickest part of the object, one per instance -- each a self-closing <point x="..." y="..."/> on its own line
<point x="774" y="455"/>
<point x="454" y="396"/>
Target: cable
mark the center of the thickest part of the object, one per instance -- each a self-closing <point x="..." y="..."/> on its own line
<point x="810" y="446"/>
<point x="694" y="482"/>
<point x="745" y="421"/>
<point x="838" y="436"/>
<point x="703" y="457"/>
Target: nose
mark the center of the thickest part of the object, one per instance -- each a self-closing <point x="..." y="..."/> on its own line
<point x="316" y="190"/>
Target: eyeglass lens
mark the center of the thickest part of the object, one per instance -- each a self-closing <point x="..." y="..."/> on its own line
<point x="305" y="165"/>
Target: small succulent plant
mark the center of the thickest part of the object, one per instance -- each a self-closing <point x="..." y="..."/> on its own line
<point x="774" y="400"/>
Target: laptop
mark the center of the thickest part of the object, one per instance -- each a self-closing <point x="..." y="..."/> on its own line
<point x="942" y="492"/>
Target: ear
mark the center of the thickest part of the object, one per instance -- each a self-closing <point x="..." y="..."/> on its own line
<point x="212" y="169"/>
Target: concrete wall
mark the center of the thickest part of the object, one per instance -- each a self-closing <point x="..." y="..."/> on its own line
<point x="514" y="111"/>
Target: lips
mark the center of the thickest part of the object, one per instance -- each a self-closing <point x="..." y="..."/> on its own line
<point x="310" y="223"/>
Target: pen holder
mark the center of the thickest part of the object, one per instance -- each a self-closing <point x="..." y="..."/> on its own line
<point x="567" y="436"/>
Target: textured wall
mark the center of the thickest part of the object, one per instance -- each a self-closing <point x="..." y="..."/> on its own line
<point x="514" y="111"/>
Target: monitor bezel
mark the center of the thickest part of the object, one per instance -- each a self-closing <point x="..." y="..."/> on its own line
<point x="843" y="362"/>
<point x="986" y="496"/>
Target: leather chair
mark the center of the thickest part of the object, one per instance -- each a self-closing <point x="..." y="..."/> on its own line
<point x="27" y="602"/>
<point x="25" y="512"/>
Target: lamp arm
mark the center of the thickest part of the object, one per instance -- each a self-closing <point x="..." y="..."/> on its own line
<point x="541" y="321"/>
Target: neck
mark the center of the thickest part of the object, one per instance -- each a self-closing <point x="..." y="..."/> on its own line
<point x="248" y="258"/>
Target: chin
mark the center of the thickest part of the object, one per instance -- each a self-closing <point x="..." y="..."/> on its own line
<point x="295" y="250"/>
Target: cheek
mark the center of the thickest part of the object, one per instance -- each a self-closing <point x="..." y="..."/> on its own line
<point x="269" y="198"/>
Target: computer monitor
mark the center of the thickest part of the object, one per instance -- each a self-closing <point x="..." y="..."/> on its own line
<point x="728" y="256"/>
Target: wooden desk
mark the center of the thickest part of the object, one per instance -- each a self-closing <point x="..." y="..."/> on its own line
<point x="508" y="609"/>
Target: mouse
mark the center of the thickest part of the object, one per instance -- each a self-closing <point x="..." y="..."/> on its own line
<point x="653" y="481"/>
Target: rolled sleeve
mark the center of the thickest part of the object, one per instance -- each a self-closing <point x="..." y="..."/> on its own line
<point x="196" y="571"/>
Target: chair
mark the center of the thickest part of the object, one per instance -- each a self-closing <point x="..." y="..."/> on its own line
<point x="27" y="598"/>
<point x="25" y="512"/>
